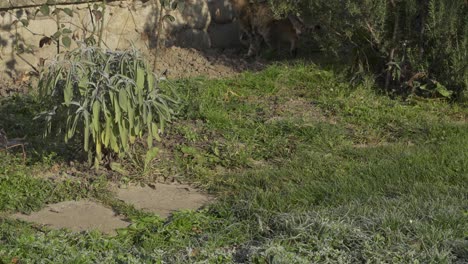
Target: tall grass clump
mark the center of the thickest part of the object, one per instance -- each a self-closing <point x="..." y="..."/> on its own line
<point x="107" y="98"/>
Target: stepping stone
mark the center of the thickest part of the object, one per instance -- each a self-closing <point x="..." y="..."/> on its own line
<point x="163" y="199"/>
<point x="77" y="216"/>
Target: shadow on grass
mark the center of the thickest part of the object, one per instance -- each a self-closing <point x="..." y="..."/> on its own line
<point x="17" y="119"/>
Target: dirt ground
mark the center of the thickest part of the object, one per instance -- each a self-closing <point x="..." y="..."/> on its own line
<point x="176" y="62"/>
<point x="182" y="63"/>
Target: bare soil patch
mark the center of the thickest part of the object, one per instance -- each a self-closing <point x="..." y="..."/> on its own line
<point x="77" y="216"/>
<point x="175" y="62"/>
<point x="162" y="199"/>
<point x="299" y="109"/>
<point x="188" y="62"/>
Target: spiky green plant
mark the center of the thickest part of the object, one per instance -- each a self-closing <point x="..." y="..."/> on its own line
<point x="110" y="98"/>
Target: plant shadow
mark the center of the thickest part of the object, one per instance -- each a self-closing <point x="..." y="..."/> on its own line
<point x="17" y="119"/>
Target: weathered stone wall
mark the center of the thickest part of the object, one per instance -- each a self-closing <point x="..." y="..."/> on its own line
<point x="10" y="4"/>
<point x="223" y="30"/>
<point x="203" y="24"/>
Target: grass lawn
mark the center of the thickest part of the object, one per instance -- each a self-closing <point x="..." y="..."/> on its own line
<point x="305" y="169"/>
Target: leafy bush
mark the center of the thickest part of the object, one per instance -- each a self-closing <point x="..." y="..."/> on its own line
<point x="415" y="46"/>
<point x="110" y="98"/>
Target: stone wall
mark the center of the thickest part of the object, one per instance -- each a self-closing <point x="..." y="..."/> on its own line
<point x="203" y="24"/>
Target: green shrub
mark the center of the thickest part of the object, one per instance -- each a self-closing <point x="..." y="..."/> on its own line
<point x="414" y="46"/>
<point x="109" y="98"/>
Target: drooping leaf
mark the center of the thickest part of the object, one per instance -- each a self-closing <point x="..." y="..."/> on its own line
<point x="149" y="139"/>
<point x="140" y="79"/>
<point x="118" y="113"/>
<point x="68" y="91"/>
<point x="151" y="154"/>
<point x="123" y="100"/>
<point x="150" y="80"/>
<point x="86" y="131"/>
<point x="107" y="132"/>
<point x="131" y="117"/>
<point x="98" y="151"/>
<point x="113" y="142"/>
<point x="124" y="135"/>
<point x="96" y="115"/>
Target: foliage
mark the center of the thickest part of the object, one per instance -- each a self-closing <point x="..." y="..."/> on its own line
<point x="399" y="41"/>
<point x="109" y="98"/>
<point x="364" y="179"/>
<point x="19" y="192"/>
<point x="64" y="35"/>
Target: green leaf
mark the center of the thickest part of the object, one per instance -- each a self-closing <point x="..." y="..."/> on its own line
<point x="83" y="84"/>
<point x="151" y="154"/>
<point x="98" y="153"/>
<point x="124" y="135"/>
<point x="107" y="132"/>
<point x="86" y="132"/>
<point x="150" y="80"/>
<point x="149" y="139"/>
<point x="68" y="91"/>
<point x="442" y="90"/>
<point x="68" y="11"/>
<point x="137" y="127"/>
<point x="117" y="167"/>
<point x="67" y="31"/>
<point x="67" y="133"/>
<point x="96" y="114"/>
<point x="131" y="117"/>
<point x="140" y="79"/>
<point x="161" y="123"/>
<point x="25" y="22"/>
<point x="45" y="10"/>
<point x="123" y="100"/>
<point x="57" y="35"/>
<point x="118" y="113"/>
<point x="66" y="41"/>
<point x="71" y="131"/>
<point x="113" y="143"/>
<point x="155" y="131"/>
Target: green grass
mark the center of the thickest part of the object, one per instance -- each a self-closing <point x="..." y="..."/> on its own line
<point x="306" y="170"/>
